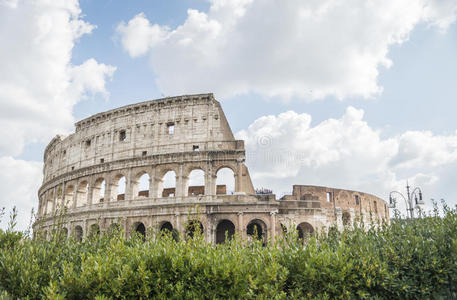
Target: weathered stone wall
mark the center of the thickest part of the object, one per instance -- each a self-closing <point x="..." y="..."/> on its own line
<point x="83" y="172"/>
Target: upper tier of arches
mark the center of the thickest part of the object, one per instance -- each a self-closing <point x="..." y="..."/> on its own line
<point x="145" y="182"/>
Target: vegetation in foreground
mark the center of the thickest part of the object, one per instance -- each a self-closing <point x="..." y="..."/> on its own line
<point x="408" y="259"/>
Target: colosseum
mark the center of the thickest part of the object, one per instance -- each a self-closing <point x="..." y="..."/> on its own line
<point x="171" y="164"/>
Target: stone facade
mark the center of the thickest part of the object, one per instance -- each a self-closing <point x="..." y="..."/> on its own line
<point x="96" y="171"/>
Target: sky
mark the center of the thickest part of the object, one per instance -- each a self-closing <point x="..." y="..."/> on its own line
<point x="350" y="94"/>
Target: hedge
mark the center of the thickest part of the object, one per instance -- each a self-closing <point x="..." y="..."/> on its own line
<point x="407" y="259"/>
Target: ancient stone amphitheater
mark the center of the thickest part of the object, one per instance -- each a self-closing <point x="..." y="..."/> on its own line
<point x="133" y="167"/>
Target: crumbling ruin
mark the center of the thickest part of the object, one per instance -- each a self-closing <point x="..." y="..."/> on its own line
<point x="111" y="173"/>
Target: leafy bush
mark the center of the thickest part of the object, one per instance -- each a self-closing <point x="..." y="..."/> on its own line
<point x="408" y="259"/>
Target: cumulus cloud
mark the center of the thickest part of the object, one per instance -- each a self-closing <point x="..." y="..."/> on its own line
<point x="39" y="86"/>
<point x="19" y="185"/>
<point x="347" y="152"/>
<point x="308" y="49"/>
<point x="38" y="83"/>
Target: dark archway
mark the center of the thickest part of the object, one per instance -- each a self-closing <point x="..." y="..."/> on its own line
<point x="78" y="234"/>
<point x="141" y="229"/>
<point x="224" y="230"/>
<point x="94" y="230"/>
<point x="304" y="230"/>
<point x="167" y="228"/>
<point x="65" y="232"/>
<point x="258" y="230"/>
<point x="193" y="227"/>
<point x="346" y="218"/>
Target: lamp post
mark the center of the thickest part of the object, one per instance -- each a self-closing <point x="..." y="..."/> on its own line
<point x="413" y="195"/>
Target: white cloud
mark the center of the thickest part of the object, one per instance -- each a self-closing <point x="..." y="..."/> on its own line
<point x="19" y="183"/>
<point x="38" y="83"/>
<point x="285" y="149"/>
<point x="309" y="49"/>
<point x="39" y="86"/>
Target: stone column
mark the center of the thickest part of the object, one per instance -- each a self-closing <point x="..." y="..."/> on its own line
<point x="54" y="204"/>
<point x="178" y="222"/>
<point x="64" y="194"/>
<point x="238" y="177"/>
<point x="152" y="186"/>
<point x="126" y="226"/>
<point x="90" y="194"/>
<point x="179" y="182"/>
<point x="85" y="229"/>
<point x="273" y="224"/>
<point x="241" y="228"/>
<point x="339" y="218"/>
<point x="128" y="194"/>
<point x="75" y="196"/>
<point x="108" y="187"/>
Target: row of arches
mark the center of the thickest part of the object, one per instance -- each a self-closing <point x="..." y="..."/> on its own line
<point x="225" y="230"/>
<point x="165" y="185"/>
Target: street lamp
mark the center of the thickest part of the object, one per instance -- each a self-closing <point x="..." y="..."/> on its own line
<point x="413" y="195"/>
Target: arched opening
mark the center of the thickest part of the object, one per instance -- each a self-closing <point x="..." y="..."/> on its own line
<point x="257" y="229"/>
<point x="225" y="181"/>
<point x="69" y="195"/>
<point x="167" y="228"/>
<point x="98" y="194"/>
<point x="143" y="186"/>
<point x="196" y="183"/>
<point x="121" y="187"/>
<point x="304" y="230"/>
<point x="82" y="194"/>
<point x="65" y="232"/>
<point x="141" y="230"/>
<point x="78" y="233"/>
<point x="193" y="228"/>
<point x="168" y="183"/>
<point x="346" y="218"/>
<point x="225" y="231"/>
<point x="50" y="203"/>
<point x="94" y="230"/>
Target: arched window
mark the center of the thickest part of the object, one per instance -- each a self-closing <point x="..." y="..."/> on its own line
<point x="65" y="232"/>
<point x="119" y="187"/>
<point x="193" y="228"/>
<point x="141" y="230"/>
<point x="257" y="229"/>
<point x="143" y="186"/>
<point x="82" y="194"/>
<point x="225" y="182"/>
<point x="98" y="191"/>
<point x="225" y="230"/>
<point x="94" y="230"/>
<point x="167" y="228"/>
<point x="196" y="185"/>
<point x="78" y="233"/>
<point x="69" y="195"/>
<point x="168" y="185"/>
<point x="346" y="218"/>
<point x="50" y="202"/>
<point x="304" y="230"/>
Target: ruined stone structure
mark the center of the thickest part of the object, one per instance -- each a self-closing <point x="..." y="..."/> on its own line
<point x="113" y="170"/>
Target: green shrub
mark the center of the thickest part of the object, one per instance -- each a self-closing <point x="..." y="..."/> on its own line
<point x="408" y="259"/>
